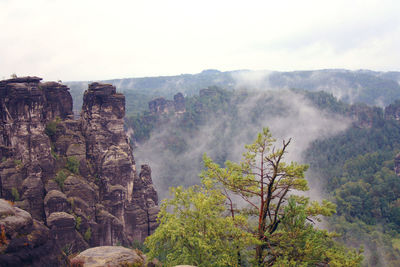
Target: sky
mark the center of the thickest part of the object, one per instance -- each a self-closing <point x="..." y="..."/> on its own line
<point x="98" y="40"/>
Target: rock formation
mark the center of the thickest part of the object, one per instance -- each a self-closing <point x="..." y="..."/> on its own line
<point x="25" y="241"/>
<point x="110" y="256"/>
<point x="77" y="178"/>
<point x="179" y="103"/>
<point x="393" y="111"/>
<point x="364" y="116"/>
<point x="162" y="106"/>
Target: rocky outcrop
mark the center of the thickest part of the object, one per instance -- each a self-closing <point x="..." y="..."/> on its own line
<point x="144" y="195"/>
<point x="76" y="178"/>
<point x="179" y="103"/>
<point x="110" y="157"/>
<point x="162" y="106"/>
<point x="110" y="256"/>
<point x="392" y="112"/>
<point x="365" y="116"/>
<point x="62" y="227"/>
<point x="26" y="106"/>
<point x="25" y="241"/>
<point x="208" y="92"/>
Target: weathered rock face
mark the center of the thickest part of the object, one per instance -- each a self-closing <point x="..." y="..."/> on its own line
<point x="76" y="177"/>
<point x="110" y="256"/>
<point x="179" y="103"/>
<point x="25" y="110"/>
<point x="27" y="241"/>
<point x="393" y="111"/>
<point x="160" y="105"/>
<point x="144" y="195"/>
<point x="365" y="116"/>
<point x="163" y="106"/>
<point x="111" y="159"/>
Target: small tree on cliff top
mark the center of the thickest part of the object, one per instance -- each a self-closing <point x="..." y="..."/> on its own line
<point x="278" y="223"/>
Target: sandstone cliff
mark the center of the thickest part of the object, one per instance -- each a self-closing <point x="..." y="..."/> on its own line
<point x="162" y="106"/>
<point x="77" y="178"/>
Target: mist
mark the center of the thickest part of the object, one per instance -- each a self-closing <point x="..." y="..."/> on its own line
<point x="222" y="137"/>
<point x="349" y="86"/>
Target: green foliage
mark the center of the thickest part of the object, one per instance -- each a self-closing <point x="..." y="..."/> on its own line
<point x="357" y="169"/>
<point x="52" y="151"/>
<point x="78" y="221"/>
<point x="356" y="166"/>
<point x="203" y="224"/>
<point x="18" y="163"/>
<point x="299" y="243"/>
<point x="137" y="102"/>
<point x="51" y="127"/>
<point x="88" y="234"/>
<point x="15" y="194"/>
<point x="139" y="246"/>
<point x="142" y="124"/>
<point x="198" y="231"/>
<point x="72" y="165"/>
<point x="60" y="178"/>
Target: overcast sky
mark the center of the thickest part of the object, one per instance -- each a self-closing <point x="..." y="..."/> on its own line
<point x="91" y="40"/>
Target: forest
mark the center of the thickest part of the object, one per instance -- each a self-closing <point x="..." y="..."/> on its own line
<point x="355" y="167"/>
<point x="349" y="143"/>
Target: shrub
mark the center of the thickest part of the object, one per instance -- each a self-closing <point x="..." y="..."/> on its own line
<point x="72" y="165"/>
<point x="60" y="178"/>
<point x="15" y="194"/>
<point x="53" y="152"/>
<point x="51" y="127"/>
<point x="78" y="222"/>
<point x="88" y="234"/>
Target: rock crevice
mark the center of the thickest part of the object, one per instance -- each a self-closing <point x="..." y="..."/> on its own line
<point x="76" y="177"/>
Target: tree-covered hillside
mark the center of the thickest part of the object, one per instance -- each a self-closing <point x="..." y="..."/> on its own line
<point x="349" y="143"/>
<point x="351" y="158"/>
<point x="370" y="87"/>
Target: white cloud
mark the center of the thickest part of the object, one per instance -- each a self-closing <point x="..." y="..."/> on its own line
<point x="74" y="40"/>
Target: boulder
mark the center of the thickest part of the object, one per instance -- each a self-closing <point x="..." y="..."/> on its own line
<point x="27" y="241"/>
<point x="111" y="256"/>
<point x="62" y="227"/>
<point x="55" y="201"/>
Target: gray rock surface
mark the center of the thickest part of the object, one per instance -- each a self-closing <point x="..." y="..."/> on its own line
<point x="27" y="242"/>
<point x="110" y="256"/>
<point x="76" y="179"/>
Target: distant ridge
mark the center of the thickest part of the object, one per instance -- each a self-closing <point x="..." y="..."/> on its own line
<point x="365" y="86"/>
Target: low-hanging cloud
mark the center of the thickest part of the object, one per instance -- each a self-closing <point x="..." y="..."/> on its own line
<point x="287" y="114"/>
<point x="348" y="86"/>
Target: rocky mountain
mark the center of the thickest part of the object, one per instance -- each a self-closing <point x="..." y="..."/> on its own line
<point x="73" y="182"/>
